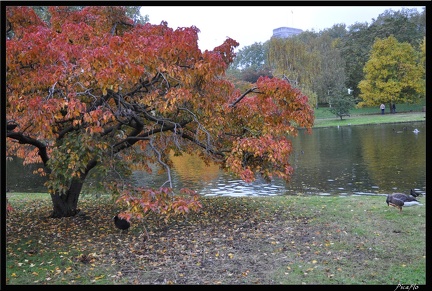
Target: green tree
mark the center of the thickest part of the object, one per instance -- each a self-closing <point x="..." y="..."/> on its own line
<point x="407" y="25"/>
<point x="250" y="63"/>
<point x="355" y="47"/>
<point x="252" y="56"/>
<point x="341" y="103"/>
<point x="393" y="74"/>
<point x="93" y="89"/>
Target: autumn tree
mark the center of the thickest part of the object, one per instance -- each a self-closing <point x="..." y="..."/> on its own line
<point x="132" y="12"/>
<point x="422" y="48"/>
<point x="393" y="74"/>
<point x="92" y="90"/>
<point x="294" y="61"/>
<point x="330" y="82"/>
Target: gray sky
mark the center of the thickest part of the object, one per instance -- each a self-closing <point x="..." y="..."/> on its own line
<point x="250" y="24"/>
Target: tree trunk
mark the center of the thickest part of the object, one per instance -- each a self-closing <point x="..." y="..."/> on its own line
<point x="66" y="205"/>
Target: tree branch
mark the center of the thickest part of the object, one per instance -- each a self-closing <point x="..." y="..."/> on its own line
<point x="162" y="163"/>
<point x="22" y="139"/>
<point x="134" y="138"/>
<point x="242" y="96"/>
<point x="202" y="145"/>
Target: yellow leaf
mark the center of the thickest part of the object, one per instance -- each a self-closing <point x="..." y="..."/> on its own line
<point x="13" y="275"/>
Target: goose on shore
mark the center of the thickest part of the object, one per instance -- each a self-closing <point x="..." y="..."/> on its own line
<point x="414" y="193"/>
<point x="399" y="199"/>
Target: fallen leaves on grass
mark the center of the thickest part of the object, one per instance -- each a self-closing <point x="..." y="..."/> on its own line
<point x="232" y="241"/>
<point x="216" y="243"/>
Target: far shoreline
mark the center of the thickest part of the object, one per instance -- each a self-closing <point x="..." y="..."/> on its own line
<point x="371" y="119"/>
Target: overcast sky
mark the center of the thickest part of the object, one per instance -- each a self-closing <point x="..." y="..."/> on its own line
<point x="250" y="24"/>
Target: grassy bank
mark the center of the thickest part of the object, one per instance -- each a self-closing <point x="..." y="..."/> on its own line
<point x="323" y="112"/>
<point x="369" y="115"/>
<point x="370" y="119"/>
<point x="266" y="240"/>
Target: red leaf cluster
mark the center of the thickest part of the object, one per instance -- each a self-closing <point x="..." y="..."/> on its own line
<point x="164" y="202"/>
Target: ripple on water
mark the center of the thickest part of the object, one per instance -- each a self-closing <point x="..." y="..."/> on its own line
<point x="238" y="188"/>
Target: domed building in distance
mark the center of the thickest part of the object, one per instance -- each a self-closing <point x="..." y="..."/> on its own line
<point x="286" y="32"/>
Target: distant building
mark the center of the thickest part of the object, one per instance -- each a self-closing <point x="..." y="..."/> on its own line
<point x="285" y="32"/>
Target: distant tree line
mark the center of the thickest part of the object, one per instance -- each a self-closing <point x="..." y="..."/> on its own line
<point x="325" y="64"/>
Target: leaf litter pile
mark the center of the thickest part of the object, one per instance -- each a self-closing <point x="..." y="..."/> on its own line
<point x="232" y="241"/>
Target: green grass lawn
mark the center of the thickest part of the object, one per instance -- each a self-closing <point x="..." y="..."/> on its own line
<point x="370" y="119"/>
<point x="323" y="112"/>
<point x="359" y="116"/>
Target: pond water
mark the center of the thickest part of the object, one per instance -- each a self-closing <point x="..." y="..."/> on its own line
<point x="349" y="160"/>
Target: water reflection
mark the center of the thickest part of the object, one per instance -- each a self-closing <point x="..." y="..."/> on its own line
<point x="357" y="160"/>
<point x="20" y="178"/>
<point x="361" y="160"/>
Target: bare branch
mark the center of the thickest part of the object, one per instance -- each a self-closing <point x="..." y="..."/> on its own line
<point x="200" y="127"/>
<point x="113" y="29"/>
<point x="162" y="163"/>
